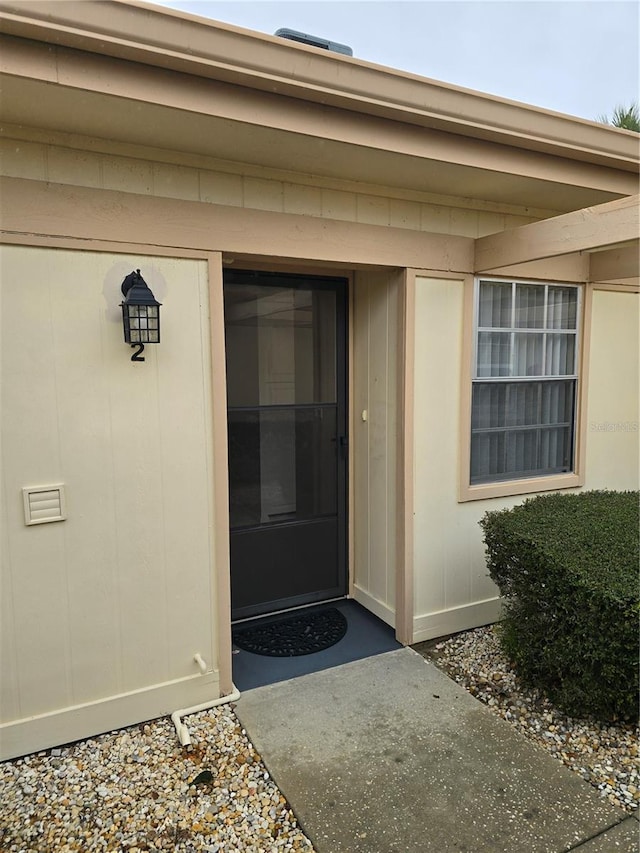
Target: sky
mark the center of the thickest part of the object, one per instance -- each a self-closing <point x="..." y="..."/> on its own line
<point x="574" y="56"/>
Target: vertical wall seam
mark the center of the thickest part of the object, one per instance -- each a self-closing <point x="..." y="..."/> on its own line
<point x="71" y="692"/>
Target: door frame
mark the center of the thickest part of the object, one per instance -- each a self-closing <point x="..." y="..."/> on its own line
<point x="404" y="597"/>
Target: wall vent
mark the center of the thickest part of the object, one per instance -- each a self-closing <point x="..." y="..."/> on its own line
<point x="43" y="504"/>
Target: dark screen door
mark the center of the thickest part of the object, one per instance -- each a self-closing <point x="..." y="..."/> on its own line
<point x="285" y="341"/>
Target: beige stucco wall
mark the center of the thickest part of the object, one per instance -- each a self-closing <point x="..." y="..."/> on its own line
<point x="102" y="613"/>
<point x="612" y="415"/>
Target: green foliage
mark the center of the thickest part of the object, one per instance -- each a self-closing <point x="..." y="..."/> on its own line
<point x="627" y="118"/>
<point x="567" y="567"/>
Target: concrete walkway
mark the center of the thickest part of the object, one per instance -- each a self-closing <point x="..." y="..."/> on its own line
<point x="388" y="755"/>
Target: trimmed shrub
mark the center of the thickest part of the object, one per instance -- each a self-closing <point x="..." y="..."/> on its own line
<point x="567" y="568"/>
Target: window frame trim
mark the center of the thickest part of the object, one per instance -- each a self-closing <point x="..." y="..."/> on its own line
<point x="539" y="483"/>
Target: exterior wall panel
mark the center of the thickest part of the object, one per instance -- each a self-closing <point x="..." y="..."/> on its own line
<point x="613" y="420"/>
<point x="22" y="159"/>
<point x="452" y="590"/>
<point x="375" y="373"/>
<point x="452" y="587"/>
<point x="221" y="188"/>
<point x="64" y="165"/>
<point x="146" y="177"/>
<point x="404" y="214"/>
<point x="120" y="596"/>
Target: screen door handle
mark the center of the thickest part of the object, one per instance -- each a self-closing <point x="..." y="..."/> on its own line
<point x="343" y="444"/>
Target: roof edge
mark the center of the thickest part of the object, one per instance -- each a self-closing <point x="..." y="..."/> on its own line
<point x="175" y="40"/>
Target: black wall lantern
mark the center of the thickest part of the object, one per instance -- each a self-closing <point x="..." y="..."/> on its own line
<point x="140" y="314"/>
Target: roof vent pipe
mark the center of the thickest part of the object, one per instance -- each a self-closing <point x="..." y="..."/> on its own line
<point x="314" y="41"/>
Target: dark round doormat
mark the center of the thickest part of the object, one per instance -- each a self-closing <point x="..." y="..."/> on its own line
<point x="291" y="636"/>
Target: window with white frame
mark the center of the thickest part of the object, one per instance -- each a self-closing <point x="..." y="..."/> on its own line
<point x="523" y="412"/>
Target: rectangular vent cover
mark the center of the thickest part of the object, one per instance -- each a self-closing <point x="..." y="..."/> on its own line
<point x="43" y="504"/>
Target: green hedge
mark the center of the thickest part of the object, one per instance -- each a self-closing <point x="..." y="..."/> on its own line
<point x="567" y="567"/>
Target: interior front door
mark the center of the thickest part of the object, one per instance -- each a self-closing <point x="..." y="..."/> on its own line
<point x="286" y="398"/>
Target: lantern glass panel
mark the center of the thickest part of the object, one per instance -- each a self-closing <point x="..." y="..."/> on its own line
<point x="144" y="324"/>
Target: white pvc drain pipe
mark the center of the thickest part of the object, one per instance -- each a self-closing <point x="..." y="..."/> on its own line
<point x="181" y="727"/>
<point x="176" y="718"/>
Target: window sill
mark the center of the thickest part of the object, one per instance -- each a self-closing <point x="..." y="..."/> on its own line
<point x="529" y="486"/>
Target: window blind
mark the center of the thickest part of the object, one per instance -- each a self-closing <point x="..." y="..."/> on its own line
<point x="524" y="382"/>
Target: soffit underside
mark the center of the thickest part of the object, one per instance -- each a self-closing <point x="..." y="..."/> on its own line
<point x="95" y="114"/>
<point x="155" y="37"/>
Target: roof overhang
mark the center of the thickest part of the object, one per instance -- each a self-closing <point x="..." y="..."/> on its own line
<point x="142" y="74"/>
<point x="158" y="80"/>
<point x="165" y="38"/>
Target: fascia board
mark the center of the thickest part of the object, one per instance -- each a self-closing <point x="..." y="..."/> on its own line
<point x="187" y="43"/>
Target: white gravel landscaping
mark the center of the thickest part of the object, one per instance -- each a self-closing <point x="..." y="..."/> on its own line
<point x="604" y="755"/>
<point x="135" y="790"/>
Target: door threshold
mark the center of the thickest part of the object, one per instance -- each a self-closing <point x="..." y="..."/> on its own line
<point x="288" y="610"/>
<point x="366" y="636"/>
